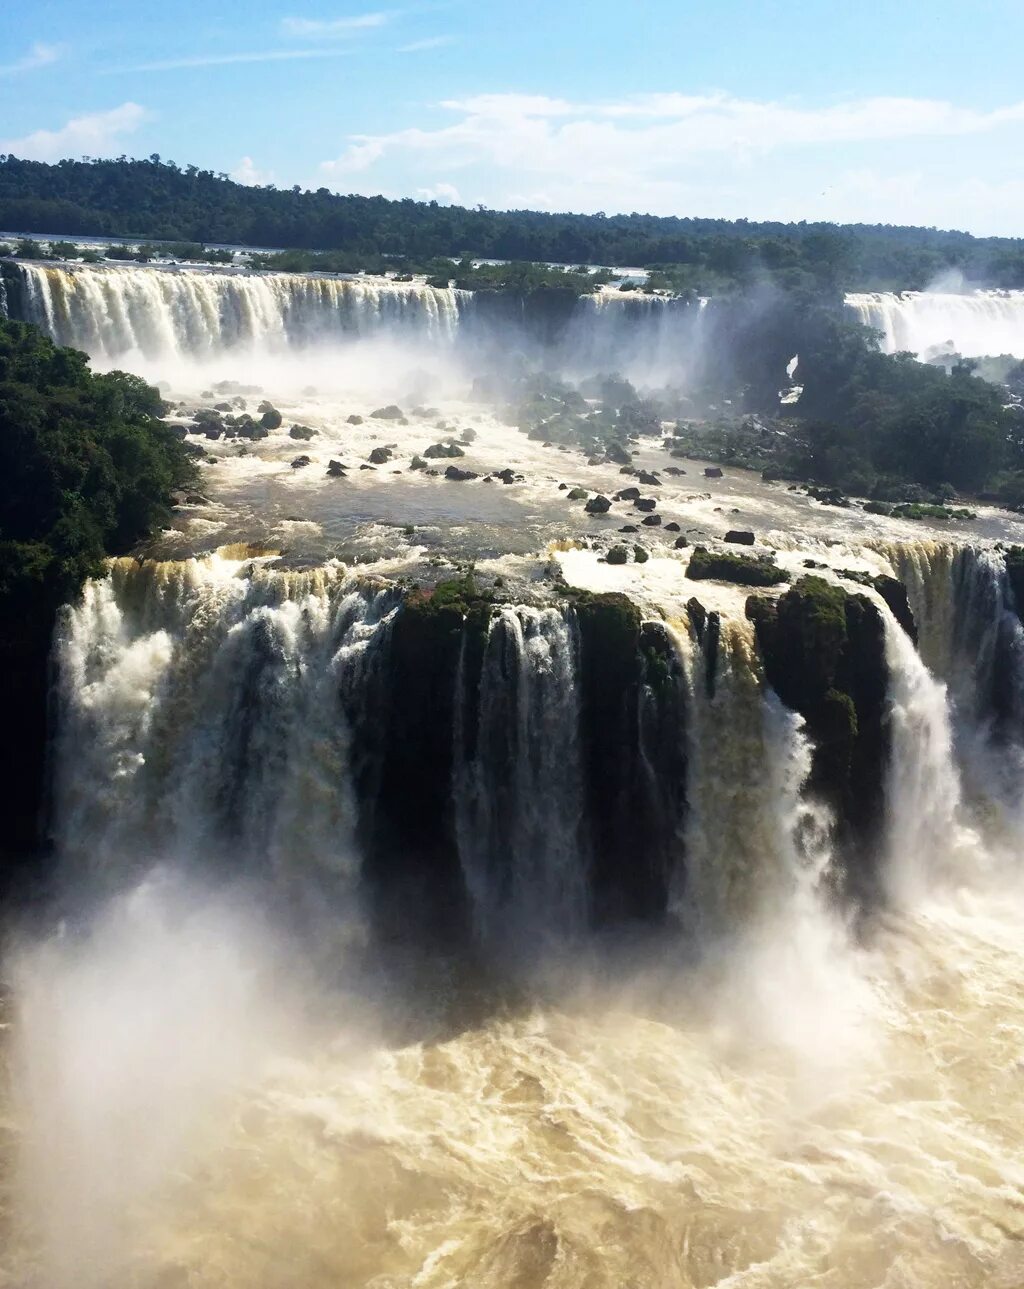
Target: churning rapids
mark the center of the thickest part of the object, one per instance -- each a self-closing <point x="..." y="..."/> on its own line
<point x="527" y="939"/>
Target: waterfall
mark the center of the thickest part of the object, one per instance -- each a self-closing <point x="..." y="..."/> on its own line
<point x="971" y="637"/>
<point x="973" y="323"/>
<point x="927" y="842"/>
<point x="651" y="340"/>
<point x="519" y="791"/>
<point x="163" y="314"/>
<point x="754" y="842"/>
<point x="199" y="717"/>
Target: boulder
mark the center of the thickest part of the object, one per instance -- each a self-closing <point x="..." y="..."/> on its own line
<point x="335" y="469"/>
<point x="628" y="494"/>
<point x="578" y="494"/>
<point x="645" y="504"/>
<point x="674" y="470"/>
<point x="629" y="528"/>
<point x="648" y="479"/>
<point x="271" y="419"/>
<point x="617" y="453"/>
<point x="597" y="505"/>
<point x="640" y="556"/>
<point x="680" y="543"/>
<point x="353" y="419"/>
<point x="740" y="537"/>
<point x="672" y="527"/>
<point x="390" y="413"/>
<point x="301" y="432"/>
<point x="651" y="521"/>
<point x="506" y="476"/>
<point x="380" y="455"/>
<point x="417" y="463"/>
<point x="299" y="462"/>
<point x="458" y="475"/>
<point x="712" y="472"/>
<point x="617" y="555"/>
<point x="443" y="450"/>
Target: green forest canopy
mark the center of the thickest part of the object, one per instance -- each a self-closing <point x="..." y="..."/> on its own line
<point x="158" y="199"/>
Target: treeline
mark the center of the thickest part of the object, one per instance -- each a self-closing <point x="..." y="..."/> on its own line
<point x="152" y="198"/>
<point x="87" y="468"/>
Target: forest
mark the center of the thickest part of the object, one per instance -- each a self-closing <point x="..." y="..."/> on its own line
<point x="87" y="469"/>
<point x="154" y="198"/>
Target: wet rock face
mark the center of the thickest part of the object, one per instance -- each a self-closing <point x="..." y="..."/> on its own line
<point x="824" y="655"/>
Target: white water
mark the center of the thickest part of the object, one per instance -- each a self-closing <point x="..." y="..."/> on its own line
<point x="972" y="323"/>
<point x="519" y="798"/>
<point x="200" y="715"/>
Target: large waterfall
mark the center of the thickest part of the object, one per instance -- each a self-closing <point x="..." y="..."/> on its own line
<point x="972" y="323"/>
<point x="171" y="320"/>
<point x="164" y="314"/>
<point x="714" y="1062"/>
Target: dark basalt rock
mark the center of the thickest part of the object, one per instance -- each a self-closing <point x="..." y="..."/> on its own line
<point x="390" y="413"/>
<point x="740" y="537"/>
<point x="627" y="494"/>
<point x="824" y="655"/>
<point x="739" y="569"/>
<point x="712" y="472"/>
<point x="459" y="476"/>
<point x="354" y="419"/>
<point x="598" y="505"/>
<point x="617" y="453"/>
<point x="335" y="469"/>
<point x="629" y="528"/>
<point x="646" y="504"/>
<point x="378" y="456"/>
<point x="443" y="450"/>
<point x="271" y="419"/>
<point x="651" y="521"/>
<point x="299" y="462"/>
<point x="648" y="479"/>
<point x="672" y="527"/>
<point x="674" y="470"/>
<point x="680" y="543"/>
<point x="617" y="555"/>
<point x="302" y="432"/>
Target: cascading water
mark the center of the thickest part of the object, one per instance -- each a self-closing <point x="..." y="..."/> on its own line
<point x="971" y="637"/>
<point x="519" y="793"/>
<point x="164" y="315"/>
<point x="200" y="716"/>
<point x="972" y="323"/>
<point x="651" y="340"/>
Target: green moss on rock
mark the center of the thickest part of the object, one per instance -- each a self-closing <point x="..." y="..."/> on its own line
<point x="742" y="570"/>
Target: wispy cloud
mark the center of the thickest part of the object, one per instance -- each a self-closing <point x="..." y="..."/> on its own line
<point x="335" y="26"/>
<point x="93" y="135"/>
<point x="428" y="42"/>
<point x="39" y="55"/>
<point x="226" y="60"/>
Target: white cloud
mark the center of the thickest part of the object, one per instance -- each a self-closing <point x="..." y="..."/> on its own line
<point x="713" y="154"/>
<point x="92" y="135"/>
<point x="246" y="173"/>
<point x="39" y="55"/>
<point x="223" y="60"/>
<point x="428" y="42"/>
<point x="443" y="193"/>
<point x="335" y="26"/>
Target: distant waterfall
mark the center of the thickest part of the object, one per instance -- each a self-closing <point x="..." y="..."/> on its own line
<point x="974" y="323"/>
<point x="199" y="718"/>
<point x="649" y="339"/>
<point x="519" y="792"/>
<point x="165" y="313"/>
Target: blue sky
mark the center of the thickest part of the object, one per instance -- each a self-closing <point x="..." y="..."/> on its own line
<point x="883" y="112"/>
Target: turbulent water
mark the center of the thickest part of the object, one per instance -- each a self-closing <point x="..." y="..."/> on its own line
<point x="761" y="1094"/>
<point x="973" y="323"/>
<point x="223" y="1067"/>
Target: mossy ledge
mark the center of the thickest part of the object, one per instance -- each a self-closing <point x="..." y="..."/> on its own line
<point x="742" y="570"/>
<point x="823" y="650"/>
